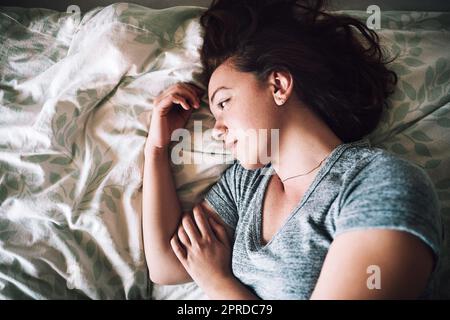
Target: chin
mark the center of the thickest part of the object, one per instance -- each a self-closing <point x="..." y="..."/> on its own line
<point x="251" y="159"/>
<point x="251" y="166"/>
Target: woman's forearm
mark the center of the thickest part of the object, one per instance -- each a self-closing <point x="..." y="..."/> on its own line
<point x="230" y="289"/>
<point x="161" y="212"/>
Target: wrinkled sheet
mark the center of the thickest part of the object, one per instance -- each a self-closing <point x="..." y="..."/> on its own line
<point x="75" y="105"/>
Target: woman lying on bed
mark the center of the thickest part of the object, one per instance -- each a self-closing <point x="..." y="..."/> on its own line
<point x="329" y="217"/>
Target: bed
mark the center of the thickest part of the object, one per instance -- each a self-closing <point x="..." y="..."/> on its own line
<point x="76" y="93"/>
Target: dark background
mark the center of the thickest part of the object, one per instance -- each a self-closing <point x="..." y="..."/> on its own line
<point x="406" y="5"/>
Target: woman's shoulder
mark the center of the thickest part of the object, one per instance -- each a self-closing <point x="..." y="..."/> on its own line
<point x="391" y="181"/>
<point x="383" y="166"/>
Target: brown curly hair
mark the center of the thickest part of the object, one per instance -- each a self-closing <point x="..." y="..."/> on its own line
<point x="336" y="61"/>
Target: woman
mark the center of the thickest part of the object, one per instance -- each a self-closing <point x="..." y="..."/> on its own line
<point x="335" y="218"/>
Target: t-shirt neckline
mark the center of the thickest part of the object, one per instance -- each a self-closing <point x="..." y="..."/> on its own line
<point x="327" y="165"/>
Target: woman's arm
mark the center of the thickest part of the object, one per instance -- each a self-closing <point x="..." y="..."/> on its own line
<point x="161" y="215"/>
<point x="161" y="210"/>
<point x="375" y="264"/>
<point x="231" y="289"/>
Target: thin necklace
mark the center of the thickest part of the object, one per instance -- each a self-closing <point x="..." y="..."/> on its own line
<point x="304" y="174"/>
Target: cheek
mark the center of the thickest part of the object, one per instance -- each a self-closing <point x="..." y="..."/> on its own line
<point x="254" y="148"/>
<point x="251" y="118"/>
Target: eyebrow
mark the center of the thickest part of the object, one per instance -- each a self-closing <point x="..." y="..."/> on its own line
<point x="220" y="88"/>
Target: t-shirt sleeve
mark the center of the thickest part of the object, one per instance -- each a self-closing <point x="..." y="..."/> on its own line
<point x="223" y="196"/>
<point x="392" y="193"/>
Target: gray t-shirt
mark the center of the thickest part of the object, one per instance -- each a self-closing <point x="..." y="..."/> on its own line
<point x="357" y="187"/>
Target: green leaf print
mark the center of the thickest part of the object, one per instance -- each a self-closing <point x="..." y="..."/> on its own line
<point x="432" y="164"/>
<point x="97" y="156"/>
<point x="443" y="78"/>
<point x="415" y="51"/>
<point x="104" y="168"/>
<point x="38" y="158"/>
<point x="115" y="192"/>
<point x="115" y="281"/>
<point x="74" y="150"/>
<point x="90" y="248"/>
<point x="4" y="224"/>
<point x="414" y="41"/>
<point x="61" y="121"/>
<point x="145" y="38"/>
<point x="398" y="148"/>
<point x="6" y="235"/>
<point x="3" y="193"/>
<point x="421" y="94"/>
<point x="420" y="136"/>
<point x="141" y="133"/>
<point x="422" y="150"/>
<point x="61" y="161"/>
<point x="400" y="69"/>
<point x="110" y="203"/>
<point x="401" y="111"/>
<point x="78" y="235"/>
<point x="54" y="177"/>
<point x="61" y="139"/>
<point x="409" y="90"/>
<point x="399" y="38"/>
<point x="413" y="62"/>
<point x="12" y="183"/>
<point x="434" y="93"/>
<point x="98" y="268"/>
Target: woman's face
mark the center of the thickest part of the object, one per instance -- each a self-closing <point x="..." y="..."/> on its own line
<point x="242" y="106"/>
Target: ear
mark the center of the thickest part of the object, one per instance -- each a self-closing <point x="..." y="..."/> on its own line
<point x="282" y="85"/>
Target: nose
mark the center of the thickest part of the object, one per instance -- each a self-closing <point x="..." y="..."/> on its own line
<point x="219" y="132"/>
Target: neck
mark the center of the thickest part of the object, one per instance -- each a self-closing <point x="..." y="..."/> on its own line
<point x="304" y="141"/>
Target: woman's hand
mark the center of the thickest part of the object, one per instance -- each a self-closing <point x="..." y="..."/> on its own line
<point x="172" y="109"/>
<point x="204" y="249"/>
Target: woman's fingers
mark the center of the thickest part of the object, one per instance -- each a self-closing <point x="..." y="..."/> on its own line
<point x="184" y="91"/>
<point x="165" y="105"/>
<point x="202" y="223"/>
<point x="183" y="236"/>
<point x="195" y="92"/>
<point x="182" y="101"/>
<point x="220" y="231"/>
<point x="177" y="248"/>
<point x="190" y="228"/>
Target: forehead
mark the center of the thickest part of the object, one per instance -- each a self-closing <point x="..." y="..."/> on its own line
<point x="224" y="75"/>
